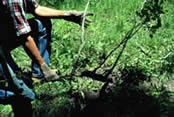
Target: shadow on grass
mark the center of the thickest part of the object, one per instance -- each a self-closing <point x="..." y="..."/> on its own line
<point x="131" y="95"/>
<point x="128" y="97"/>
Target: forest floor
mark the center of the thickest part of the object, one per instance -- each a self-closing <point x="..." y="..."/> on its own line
<point x="125" y="97"/>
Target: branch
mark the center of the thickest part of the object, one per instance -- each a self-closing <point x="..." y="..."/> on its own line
<point x="89" y="74"/>
<point x="129" y="35"/>
<point x="83" y="22"/>
<point x="82" y="40"/>
<point x="96" y="76"/>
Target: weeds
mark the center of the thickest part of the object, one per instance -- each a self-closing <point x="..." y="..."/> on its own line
<point x="112" y="19"/>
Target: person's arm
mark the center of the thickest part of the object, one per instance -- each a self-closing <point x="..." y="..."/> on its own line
<point x="73" y="16"/>
<point x="49" y="12"/>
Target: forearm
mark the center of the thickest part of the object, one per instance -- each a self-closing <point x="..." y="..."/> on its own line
<point x="42" y="11"/>
<point x="32" y="50"/>
<point x="73" y="16"/>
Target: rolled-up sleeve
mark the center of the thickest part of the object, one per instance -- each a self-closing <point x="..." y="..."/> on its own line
<point x="15" y="16"/>
<point x="18" y="17"/>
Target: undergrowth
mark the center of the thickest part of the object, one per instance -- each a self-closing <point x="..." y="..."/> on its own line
<point x="111" y="21"/>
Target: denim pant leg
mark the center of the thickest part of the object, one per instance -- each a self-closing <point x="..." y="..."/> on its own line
<point x="25" y="91"/>
<point x="41" y="30"/>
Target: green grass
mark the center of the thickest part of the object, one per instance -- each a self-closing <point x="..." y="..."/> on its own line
<point x="112" y="20"/>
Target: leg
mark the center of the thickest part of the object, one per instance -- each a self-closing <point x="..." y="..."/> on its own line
<point x="41" y="31"/>
<point x="13" y="44"/>
<point x="49" y="75"/>
<point x="31" y="49"/>
<point x="20" y="95"/>
<point x="14" y="84"/>
<point x="12" y="63"/>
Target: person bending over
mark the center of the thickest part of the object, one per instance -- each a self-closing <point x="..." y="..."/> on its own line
<point x="15" y="29"/>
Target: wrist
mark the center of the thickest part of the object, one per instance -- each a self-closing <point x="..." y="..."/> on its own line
<point x="66" y="13"/>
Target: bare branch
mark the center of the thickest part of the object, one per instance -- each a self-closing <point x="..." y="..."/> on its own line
<point x="82" y="39"/>
<point x="83" y="22"/>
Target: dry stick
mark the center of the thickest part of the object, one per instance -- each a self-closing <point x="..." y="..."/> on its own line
<point x="82" y="42"/>
<point x="143" y="4"/>
<point x="80" y="48"/>
<point x="83" y="22"/>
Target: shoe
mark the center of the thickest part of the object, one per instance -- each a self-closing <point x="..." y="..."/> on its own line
<point x="36" y="79"/>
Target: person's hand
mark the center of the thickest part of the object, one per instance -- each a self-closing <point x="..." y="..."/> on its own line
<point x="77" y="17"/>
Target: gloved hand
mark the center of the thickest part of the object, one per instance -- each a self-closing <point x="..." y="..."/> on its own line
<point x="49" y="75"/>
<point x="77" y="17"/>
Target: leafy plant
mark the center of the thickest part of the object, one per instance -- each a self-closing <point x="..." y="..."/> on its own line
<point x="151" y="14"/>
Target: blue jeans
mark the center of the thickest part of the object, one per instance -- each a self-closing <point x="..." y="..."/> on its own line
<point x="16" y="83"/>
<point x="41" y="32"/>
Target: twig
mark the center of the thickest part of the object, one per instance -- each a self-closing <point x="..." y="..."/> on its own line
<point x="111" y="52"/>
<point x="117" y="59"/>
<point x="82" y="40"/>
<point x="83" y="22"/>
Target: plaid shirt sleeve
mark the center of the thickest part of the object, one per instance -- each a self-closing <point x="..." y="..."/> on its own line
<point x="17" y="10"/>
